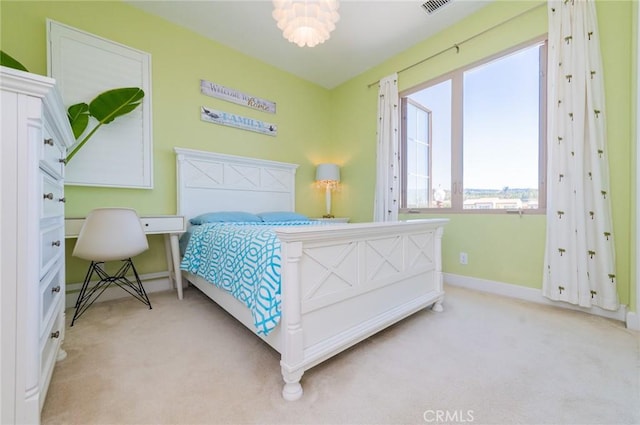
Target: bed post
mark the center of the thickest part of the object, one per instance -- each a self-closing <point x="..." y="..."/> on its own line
<point x="437" y="306"/>
<point x="292" y="358"/>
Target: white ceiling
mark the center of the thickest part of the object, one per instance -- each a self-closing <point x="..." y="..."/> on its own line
<point x="368" y="32"/>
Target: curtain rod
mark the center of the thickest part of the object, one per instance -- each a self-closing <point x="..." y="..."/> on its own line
<point x="456" y="46"/>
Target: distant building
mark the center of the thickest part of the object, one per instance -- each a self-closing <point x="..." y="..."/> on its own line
<point x="494" y="203"/>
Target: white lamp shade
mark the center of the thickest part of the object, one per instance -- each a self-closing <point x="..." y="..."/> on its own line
<point x="328" y="172"/>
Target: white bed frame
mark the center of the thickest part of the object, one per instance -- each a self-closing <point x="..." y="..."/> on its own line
<point x="341" y="283"/>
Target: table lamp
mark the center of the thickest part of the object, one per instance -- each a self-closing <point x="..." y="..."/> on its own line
<point x="328" y="176"/>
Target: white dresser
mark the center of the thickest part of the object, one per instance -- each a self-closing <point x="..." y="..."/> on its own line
<point x="35" y="137"/>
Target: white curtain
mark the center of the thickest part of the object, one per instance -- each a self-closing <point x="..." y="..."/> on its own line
<point x="579" y="257"/>
<point x="388" y="155"/>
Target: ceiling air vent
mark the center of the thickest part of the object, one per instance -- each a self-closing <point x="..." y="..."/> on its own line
<point x="432" y="6"/>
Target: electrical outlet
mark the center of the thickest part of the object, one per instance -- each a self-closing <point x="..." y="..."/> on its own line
<point x="464" y="259"/>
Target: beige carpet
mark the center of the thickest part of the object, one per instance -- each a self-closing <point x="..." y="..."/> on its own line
<point x="484" y="360"/>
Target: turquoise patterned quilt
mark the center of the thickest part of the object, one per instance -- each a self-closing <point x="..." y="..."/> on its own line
<point x="243" y="259"/>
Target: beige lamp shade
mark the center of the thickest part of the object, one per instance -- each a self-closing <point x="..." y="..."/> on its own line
<point x="328" y="172"/>
<point x="328" y="175"/>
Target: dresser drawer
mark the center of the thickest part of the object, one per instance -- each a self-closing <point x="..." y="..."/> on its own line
<point x="52" y="155"/>
<point x="52" y="331"/>
<point x="164" y="224"/>
<point x="52" y="197"/>
<point x="51" y="290"/>
<point x="51" y="247"/>
<point x="49" y="347"/>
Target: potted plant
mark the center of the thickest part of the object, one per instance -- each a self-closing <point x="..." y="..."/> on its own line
<point x="104" y="108"/>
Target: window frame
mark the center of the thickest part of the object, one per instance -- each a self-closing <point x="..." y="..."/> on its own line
<point x="403" y="158"/>
<point x="457" y="143"/>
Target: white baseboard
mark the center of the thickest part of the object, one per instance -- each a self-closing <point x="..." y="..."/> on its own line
<point x="152" y="282"/>
<point x="535" y="295"/>
<point x="633" y="320"/>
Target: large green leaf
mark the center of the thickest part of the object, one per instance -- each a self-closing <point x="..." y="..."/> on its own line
<point x="8" y="61"/>
<point x="105" y="108"/>
<point x="78" y="115"/>
<point x="111" y="104"/>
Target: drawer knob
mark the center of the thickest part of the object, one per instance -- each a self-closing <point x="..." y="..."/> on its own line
<point x="48" y="142"/>
<point x="63" y="161"/>
<point x="55" y="334"/>
<point x="62" y="200"/>
<point x="55" y="289"/>
<point x="55" y="243"/>
<point x="48" y="196"/>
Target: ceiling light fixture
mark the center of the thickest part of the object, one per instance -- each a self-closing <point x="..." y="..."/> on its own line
<point x="306" y="22"/>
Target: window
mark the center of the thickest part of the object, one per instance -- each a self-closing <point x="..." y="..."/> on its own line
<point x="474" y="139"/>
<point x="418" y="158"/>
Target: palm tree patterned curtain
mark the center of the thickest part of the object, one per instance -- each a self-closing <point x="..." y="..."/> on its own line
<point x="388" y="156"/>
<point x="579" y="255"/>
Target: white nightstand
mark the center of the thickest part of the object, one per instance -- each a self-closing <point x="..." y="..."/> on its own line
<point x="333" y="220"/>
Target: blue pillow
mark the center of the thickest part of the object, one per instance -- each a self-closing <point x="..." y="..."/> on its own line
<point x="282" y="216"/>
<point x="225" y="216"/>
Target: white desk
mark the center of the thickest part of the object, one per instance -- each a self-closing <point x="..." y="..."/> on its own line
<point x="171" y="226"/>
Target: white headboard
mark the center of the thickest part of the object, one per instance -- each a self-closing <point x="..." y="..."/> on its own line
<point x="208" y="181"/>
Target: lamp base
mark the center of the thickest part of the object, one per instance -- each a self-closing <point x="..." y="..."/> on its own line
<point x="328" y="216"/>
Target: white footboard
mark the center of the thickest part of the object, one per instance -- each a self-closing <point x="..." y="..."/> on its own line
<point x="344" y="283"/>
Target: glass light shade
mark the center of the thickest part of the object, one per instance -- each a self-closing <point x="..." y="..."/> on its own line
<point x="306" y="22"/>
<point x="328" y="172"/>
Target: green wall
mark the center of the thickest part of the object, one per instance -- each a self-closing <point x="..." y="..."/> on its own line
<point x="180" y="58"/>
<point x="502" y="248"/>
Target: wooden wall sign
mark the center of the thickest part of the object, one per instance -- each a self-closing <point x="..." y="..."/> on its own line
<point x="235" y="96"/>
<point x="237" y="121"/>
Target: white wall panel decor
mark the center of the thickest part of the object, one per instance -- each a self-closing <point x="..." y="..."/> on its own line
<point x="84" y="66"/>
